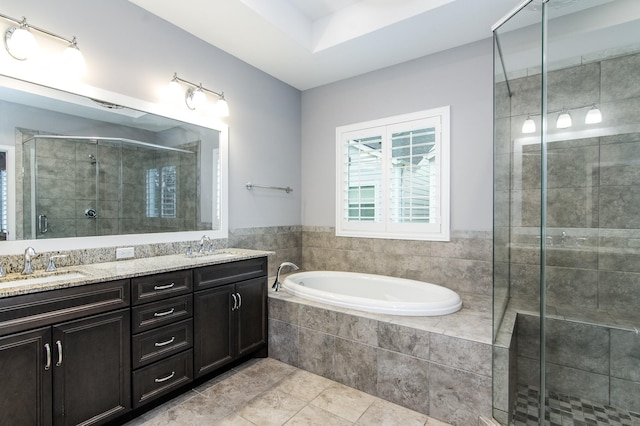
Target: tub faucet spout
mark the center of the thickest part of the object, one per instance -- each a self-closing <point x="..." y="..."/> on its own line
<point x="276" y="285"/>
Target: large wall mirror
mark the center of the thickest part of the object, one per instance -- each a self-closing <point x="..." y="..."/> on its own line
<point x="79" y="172"/>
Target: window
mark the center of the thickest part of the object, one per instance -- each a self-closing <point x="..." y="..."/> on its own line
<point x="393" y="177"/>
<point x="161" y="192"/>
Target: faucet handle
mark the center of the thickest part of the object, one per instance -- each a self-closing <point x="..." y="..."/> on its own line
<point x="52" y="267"/>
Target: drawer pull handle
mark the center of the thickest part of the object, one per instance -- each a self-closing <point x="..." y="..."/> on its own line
<point x="164" y="379"/>
<point x="235" y="302"/>
<point x="59" y="345"/>
<point x="164" y="287"/>
<point x="168" y="342"/>
<point x="239" y="300"/>
<point x="164" y="314"/>
<point x="47" y="348"/>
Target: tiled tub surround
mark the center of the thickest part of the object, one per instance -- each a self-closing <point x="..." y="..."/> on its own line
<point x="462" y="264"/>
<point x="284" y="241"/>
<point x="439" y="366"/>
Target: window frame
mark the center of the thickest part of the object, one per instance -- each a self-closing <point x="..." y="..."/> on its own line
<point x="439" y="229"/>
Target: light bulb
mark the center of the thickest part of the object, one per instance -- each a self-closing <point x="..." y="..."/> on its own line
<point x="594" y="116"/>
<point x="20" y="43"/>
<point x="199" y="98"/>
<point x="74" y="60"/>
<point x="564" y="120"/>
<point x="174" y="91"/>
<point x="529" y="126"/>
<point x="222" y="108"/>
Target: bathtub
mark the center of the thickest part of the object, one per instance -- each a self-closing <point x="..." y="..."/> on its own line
<point x="373" y="293"/>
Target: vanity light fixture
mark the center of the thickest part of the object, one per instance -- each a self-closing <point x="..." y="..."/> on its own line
<point x="594" y="116"/>
<point x="564" y="120"/>
<point x="196" y="95"/>
<point x="21" y="44"/>
<point x="529" y="126"/>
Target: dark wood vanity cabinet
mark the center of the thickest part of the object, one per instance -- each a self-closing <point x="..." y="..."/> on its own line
<point x="90" y="354"/>
<point x="71" y="369"/>
<point x="230" y="306"/>
<point x="162" y="328"/>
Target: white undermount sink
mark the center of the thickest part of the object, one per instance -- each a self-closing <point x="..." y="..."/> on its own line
<point x="15" y="280"/>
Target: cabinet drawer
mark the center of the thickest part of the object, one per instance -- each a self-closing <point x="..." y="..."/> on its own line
<point x="160" y="286"/>
<point x="225" y="273"/>
<point x="19" y="313"/>
<point x="154" y="345"/>
<point x="162" y="377"/>
<point x="156" y="314"/>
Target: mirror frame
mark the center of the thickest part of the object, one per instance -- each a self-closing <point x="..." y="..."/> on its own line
<point x="62" y="89"/>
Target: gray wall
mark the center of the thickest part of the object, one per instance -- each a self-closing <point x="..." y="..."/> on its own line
<point x="460" y="77"/>
<point x="132" y="52"/>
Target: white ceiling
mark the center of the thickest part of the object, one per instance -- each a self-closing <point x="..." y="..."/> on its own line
<point x="309" y="43"/>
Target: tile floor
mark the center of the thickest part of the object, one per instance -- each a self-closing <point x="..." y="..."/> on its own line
<point x="268" y="392"/>
<point x="568" y="410"/>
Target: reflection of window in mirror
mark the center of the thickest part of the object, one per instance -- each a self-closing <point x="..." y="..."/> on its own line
<point x="161" y="188"/>
<point x="393" y="177"/>
<point x="4" y="211"/>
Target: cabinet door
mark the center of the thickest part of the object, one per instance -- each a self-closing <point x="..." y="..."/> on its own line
<point x="25" y="394"/>
<point x="92" y="369"/>
<point x="213" y="334"/>
<point x="252" y="318"/>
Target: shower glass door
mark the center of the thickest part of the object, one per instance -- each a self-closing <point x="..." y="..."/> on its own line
<point x="591" y="286"/>
<point x="567" y="213"/>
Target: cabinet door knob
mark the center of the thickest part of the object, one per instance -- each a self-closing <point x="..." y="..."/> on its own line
<point x="164" y="287"/>
<point x="239" y="300"/>
<point x="59" y="346"/>
<point x="235" y="302"/>
<point x="164" y="314"/>
<point x="164" y="379"/>
<point x="47" y="349"/>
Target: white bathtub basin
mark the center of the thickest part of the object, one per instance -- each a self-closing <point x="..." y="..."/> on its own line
<point x="374" y="293"/>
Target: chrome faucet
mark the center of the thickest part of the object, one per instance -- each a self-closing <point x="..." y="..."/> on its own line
<point x="276" y="285"/>
<point x="29" y="254"/>
<point x="203" y="240"/>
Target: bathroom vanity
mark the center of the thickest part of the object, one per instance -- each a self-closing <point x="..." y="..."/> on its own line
<point x="121" y="335"/>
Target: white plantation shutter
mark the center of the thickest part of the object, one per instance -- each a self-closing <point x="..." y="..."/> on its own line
<point x="363" y="179"/>
<point x="393" y="177"/>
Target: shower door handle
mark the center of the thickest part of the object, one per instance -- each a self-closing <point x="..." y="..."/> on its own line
<point x="43" y="223"/>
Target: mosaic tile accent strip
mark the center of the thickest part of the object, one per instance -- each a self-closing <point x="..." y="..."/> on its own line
<point x="564" y="410"/>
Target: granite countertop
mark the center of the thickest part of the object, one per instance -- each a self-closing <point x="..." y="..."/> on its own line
<point x="73" y="276"/>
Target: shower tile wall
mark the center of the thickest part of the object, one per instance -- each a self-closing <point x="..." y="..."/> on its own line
<point x="593" y="194"/>
<point x="593" y="229"/>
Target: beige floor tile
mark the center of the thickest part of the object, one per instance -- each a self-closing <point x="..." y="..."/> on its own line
<point x="234" y="419"/>
<point x="304" y="385"/>
<point x="434" y="422"/>
<point x="237" y="390"/>
<point x="195" y="411"/>
<point x="316" y="416"/>
<point x="383" y="413"/>
<point x="268" y="370"/>
<point x="344" y="401"/>
<point x="272" y="408"/>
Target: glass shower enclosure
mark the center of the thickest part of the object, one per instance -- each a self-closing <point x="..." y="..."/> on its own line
<point x="567" y="213"/>
<point x="82" y="186"/>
